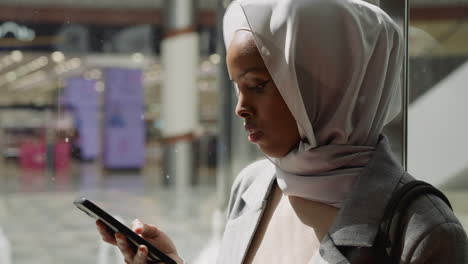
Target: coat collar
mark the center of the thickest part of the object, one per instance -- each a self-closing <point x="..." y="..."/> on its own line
<point x="240" y="231"/>
<point x="257" y="193"/>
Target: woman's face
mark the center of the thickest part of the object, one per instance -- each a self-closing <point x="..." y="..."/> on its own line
<point x="267" y="119"/>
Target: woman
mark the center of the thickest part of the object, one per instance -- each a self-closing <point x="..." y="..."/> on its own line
<point x="317" y="80"/>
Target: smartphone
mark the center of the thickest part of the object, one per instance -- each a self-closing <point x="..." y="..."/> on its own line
<point x="154" y="254"/>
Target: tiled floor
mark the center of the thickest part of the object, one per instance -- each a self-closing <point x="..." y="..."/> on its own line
<point x="43" y="226"/>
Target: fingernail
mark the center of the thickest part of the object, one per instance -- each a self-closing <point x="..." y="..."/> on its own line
<point x="141" y="250"/>
<point x="137" y="226"/>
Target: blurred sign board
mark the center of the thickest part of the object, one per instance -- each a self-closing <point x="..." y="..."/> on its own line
<point x="81" y="96"/>
<point x="124" y="128"/>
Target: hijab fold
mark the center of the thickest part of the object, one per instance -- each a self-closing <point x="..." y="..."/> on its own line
<point x="338" y="66"/>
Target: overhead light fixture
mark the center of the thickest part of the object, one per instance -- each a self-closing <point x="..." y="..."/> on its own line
<point x="215" y="58"/>
<point x="66" y="66"/>
<point x="30" y="81"/>
<point x="20" y="32"/>
<point x="75" y="63"/>
<point x="57" y="56"/>
<point x="100" y="87"/>
<point x="31" y="66"/>
<point x="138" y="57"/>
<point x="95" y="74"/>
<point x="16" y="56"/>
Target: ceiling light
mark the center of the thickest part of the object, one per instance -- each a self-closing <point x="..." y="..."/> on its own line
<point x="137" y="57"/>
<point x="16" y="56"/>
<point x="57" y="56"/>
<point x="42" y="61"/>
<point x="95" y="74"/>
<point x="215" y="58"/>
<point x="99" y="87"/>
<point x="75" y="63"/>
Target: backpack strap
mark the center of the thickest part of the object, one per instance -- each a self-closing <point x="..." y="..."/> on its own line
<point x="384" y="251"/>
<point x="399" y="204"/>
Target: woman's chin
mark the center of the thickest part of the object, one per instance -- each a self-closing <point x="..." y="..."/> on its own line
<point x="276" y="149"/>
<point x="271" y="152"/>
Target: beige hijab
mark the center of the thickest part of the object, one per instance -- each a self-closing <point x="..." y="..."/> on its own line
<point x="338" y="66"/>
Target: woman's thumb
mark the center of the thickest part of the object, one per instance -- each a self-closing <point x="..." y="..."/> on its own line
<point x="137" y="226"/>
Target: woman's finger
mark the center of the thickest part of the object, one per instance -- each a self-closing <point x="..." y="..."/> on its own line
<point x="124" y="247"/>
<point x="145" y="230"/>
<point x="137" y="226"/>
<point x="105" y="233"/>
<point x="155" y="236"/>
<point x="150" y="231"/>
<point x="141" y="255"/>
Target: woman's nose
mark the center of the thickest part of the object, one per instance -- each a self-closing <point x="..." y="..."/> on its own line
<point x="242" y="109"/>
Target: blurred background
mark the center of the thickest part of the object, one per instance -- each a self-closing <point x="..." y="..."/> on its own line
<point x="128" y="103"/>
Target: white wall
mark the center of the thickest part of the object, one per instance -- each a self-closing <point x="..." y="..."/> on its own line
<point x="438" y="130"/>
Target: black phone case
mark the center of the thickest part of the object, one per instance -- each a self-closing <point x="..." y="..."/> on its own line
<point x="154" y="254"/>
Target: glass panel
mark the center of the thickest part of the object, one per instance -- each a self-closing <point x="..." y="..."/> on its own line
<point x="437" y="108"/>
<point x="81" y="114"/>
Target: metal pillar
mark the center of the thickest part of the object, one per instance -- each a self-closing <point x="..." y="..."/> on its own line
<point x="227" y="98"/>
<point x="397" y="129"/>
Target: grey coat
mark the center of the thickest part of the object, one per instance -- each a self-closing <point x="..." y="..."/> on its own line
<point x="432" y="232"/>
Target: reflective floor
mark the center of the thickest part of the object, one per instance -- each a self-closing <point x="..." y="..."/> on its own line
<point x="42" y="225"/>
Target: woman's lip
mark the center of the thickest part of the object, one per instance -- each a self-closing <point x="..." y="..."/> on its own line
<point x="251" y="130"/>
<point x="255" y="136"/>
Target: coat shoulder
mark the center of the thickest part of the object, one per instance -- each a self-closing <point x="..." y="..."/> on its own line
<point x="432" y="232"/>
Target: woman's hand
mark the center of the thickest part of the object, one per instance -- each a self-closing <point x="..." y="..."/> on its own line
<point x="149" y="232"/>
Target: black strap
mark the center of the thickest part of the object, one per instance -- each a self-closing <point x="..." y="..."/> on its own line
<point x="398" y="204"/>
<point x="384" y="251"/>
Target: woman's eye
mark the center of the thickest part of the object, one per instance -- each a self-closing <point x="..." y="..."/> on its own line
<point x="259" y="87"/>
